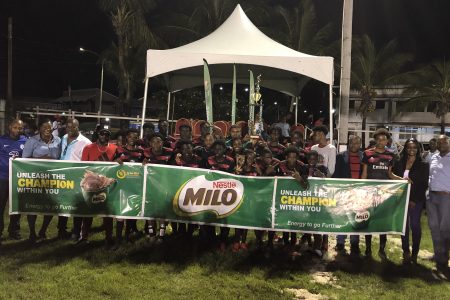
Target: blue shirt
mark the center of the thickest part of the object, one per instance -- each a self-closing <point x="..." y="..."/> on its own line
<point x="35" y="147"/>
<point x="440" y="173"/>
<point x="9" y="148"/>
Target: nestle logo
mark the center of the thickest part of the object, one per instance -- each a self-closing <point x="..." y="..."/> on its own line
<point x="224" y="185"/>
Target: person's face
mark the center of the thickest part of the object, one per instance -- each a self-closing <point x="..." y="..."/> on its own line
<point x="185" y="133"/>
<point x="442" y="144"/>
<point x="317" y="137"/>
<point x="46" y="130"/>
<point x="354" y="145"/>
<point x="235" y="133"/>
<point x="267" y="158"/>
<point x="162" y="126"/>
<point x="381" y="140"/>
<point x="132" y="138"/>
<point x="291" y="158"/>
<point x="312" y="159"/>
<point x="297" y="138"/>
<point x="411" y="149"/>
<point x="250" y="158"/>
<point x="219" y="150"/>
<point x="15" y="129"/>
<point x="209" y="140"/>
<point x="149" y="130"/>
<point x="274" y="136"/>
<point x="237" y="146"/>
<point x="433" y="145"/>
<point x="156" y="144"/>
<point x="103" y="136"/>
<point x="72" y="128"/>
<point x="186" y="150"/>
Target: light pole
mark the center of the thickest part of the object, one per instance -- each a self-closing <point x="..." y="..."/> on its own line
<point x="101" y="77"/>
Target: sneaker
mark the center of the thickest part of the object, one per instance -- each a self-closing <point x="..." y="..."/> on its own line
<point x="414" y="259"/>
<point x="235" y="247"/>
<point x="15" y="236"/>
<point x="63" y="234"/>
<point x="244" y="246"/>
<point x="354" y="250"/>
<point x="441" y="273"/>
<point x="318" y="252"/>
<point x="75" y="237"/>
<point x="32" y="238"/>
<point x="42" y="235"/>
<point x="82" y="241"/>
<point x="382" y="254"/>
<point x="406" y="258"/>
<point x="340" y="248"/>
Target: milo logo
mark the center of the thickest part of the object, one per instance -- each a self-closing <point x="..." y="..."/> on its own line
<point x="198" y="195"/>
<point x="362" y="216"/>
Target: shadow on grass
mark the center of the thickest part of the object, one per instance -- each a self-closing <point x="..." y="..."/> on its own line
<point x="180" y="253"/>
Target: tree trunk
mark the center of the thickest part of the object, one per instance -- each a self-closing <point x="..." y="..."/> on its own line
<point x="443" y="124"/>
<point x="363" y="133"/>
<point x="346" y="57"/>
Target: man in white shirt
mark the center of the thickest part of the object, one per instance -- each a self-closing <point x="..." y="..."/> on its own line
<point x="327" y="152"/>
<point x="72" y="145"/>
<point x="433" y="150"/>
<point x="284" y="126"/>
<point x="327" y="158"/>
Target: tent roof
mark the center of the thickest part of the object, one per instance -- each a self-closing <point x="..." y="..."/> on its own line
<point x="239" y="41"/>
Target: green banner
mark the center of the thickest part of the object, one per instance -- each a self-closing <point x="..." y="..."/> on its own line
<point x="76" y="188"/>
<point x="207" y="197"/>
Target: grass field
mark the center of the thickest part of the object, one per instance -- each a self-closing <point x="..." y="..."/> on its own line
<point x="177" y="269"/>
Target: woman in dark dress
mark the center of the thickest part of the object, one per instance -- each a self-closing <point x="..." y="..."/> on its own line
<point x="411" y="166"/>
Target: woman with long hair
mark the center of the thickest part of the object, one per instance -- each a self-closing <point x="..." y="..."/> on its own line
<point x="411" y="166"/>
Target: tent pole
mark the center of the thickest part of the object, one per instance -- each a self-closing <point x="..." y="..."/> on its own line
<point x="144" y="106"/>
<point x="168" y="106"/>
<point x="331" y="113"/>
<point x="296" y="110"/>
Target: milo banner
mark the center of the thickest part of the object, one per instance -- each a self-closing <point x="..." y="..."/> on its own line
<point x="40" y="186"/>
<point x="207" y="197"/>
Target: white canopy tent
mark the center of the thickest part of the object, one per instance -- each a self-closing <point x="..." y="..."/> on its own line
<point x="239" y="41"/>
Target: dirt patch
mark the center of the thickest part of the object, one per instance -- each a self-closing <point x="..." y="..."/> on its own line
<point x="305" y="294"/>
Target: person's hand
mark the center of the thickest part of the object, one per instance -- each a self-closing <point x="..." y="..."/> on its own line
<point x="271" y="168"/>
<point x="409" y="180"/>
<point x="317" y="173"/>
<point x="296" y="175"/>
<point x="246" y="138"/>
<point x="145" y="161"/>
<point x="258" y="170"/>
<point x="119" y="161"/>
<point x="178" y="158"/>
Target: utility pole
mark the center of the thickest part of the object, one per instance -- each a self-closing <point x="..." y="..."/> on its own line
<point x="346" y="59"/>
<point x="9" y="92"/>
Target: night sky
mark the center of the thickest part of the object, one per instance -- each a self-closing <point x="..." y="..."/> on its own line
<point x="48" y="33"/>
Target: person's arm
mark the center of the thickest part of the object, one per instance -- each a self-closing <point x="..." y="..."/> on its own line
<point x="85" y="153"/>
<point x="364" y="171"/>
<point x="331" y="162"/>
<point x="393" y="176"/>
<point x="28" y="148"/>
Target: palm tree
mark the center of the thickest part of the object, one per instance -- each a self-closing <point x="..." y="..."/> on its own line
<point x="126" y="56"/>
<point x="297" y="29"/>
<point x="376" y="69"/>
<point x="431" y="85"/>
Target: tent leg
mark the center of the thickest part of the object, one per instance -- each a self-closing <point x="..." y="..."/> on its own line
<point x="144" y="106"/>
<point x="296" y="110"/>
<point x="168" y="106"/>
<point x="331" y="112"/>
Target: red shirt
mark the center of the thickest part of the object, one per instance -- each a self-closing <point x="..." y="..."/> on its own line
<point x="95" y="152"/>
<point x="161" y="159"/>
<point x="355" y="165"/>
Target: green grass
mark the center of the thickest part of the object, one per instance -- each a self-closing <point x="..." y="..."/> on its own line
<point x="180" y="270"/>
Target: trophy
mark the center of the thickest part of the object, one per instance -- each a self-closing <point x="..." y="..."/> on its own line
<point x="255" y="126"/>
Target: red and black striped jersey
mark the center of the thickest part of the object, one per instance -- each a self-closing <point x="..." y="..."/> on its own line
<point x="226" y="165"/>
<point x="286" y="170"/>
<point x="195" y="162"/>
<point x="277" y="151"/>
<point x="130" y="155"/>
<point x="163" y="158"/>
<point x="263" y="167"/>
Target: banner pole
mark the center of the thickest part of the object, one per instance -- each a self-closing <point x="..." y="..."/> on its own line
<point x="144" y="106"/>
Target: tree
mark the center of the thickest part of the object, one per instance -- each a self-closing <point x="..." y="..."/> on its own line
<point x="376" y="69"/>
<point x="126" y="56"/>
<point x="431" y="86"/>
<point x="297" y="29"/>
